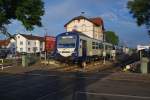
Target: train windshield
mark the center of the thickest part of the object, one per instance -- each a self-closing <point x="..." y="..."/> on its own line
<point x="66" y="42"/>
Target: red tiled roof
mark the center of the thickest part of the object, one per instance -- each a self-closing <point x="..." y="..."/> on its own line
<point x="4" y="42"/>
<point x="97" y="21"/>
<point x="31" y="37"/>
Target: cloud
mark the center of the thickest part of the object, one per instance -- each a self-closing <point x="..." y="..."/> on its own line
<point x="114" y="12"/>
<point x="15" y="27"/>
<point x="63" y="9"/>
<point x="109" y="16"/>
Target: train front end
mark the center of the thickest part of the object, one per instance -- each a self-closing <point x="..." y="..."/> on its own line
<point x="67" y="46"/>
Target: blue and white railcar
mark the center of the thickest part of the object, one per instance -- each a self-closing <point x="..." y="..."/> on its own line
<point x="77" y="46"/>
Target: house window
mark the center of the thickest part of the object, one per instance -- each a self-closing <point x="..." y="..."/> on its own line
<point x="78" y="20"/>
<point x="35" y="43"/>
<point x="34" y="49"/>
<point x="18" y="37"/>
<point x="21" y="49"/>
<point x="83" y="27"/>
<point x="28" y="43"/>
<point x="29" y="49"/>
<point x="21" y="42"/>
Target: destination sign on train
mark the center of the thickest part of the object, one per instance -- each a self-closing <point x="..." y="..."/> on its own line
<point x="67" y="37"/>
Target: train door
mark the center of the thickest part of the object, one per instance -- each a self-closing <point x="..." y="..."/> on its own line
<point x="84" y="48"/>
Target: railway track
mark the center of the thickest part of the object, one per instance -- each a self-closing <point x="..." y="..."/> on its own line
<point x="91" y="67"/>
<point x="96" y="66"/>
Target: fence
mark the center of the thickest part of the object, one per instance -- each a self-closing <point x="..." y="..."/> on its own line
<point x="132" y="66"/>
<point x="6" y="63"/>
<point x="1" y="63"/>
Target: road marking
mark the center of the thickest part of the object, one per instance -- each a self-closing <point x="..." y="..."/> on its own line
<point x="131" y="80"/>
<point x="86" y="77"/>
<point x="68" y="76"/>
<point x="114" y="95"/>
<point x="41" y="75"/>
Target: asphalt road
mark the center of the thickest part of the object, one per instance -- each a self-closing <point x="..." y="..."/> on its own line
<point x="45" y="85"/>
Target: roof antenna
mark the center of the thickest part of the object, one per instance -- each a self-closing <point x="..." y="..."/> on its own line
<point x="82" y="13"/>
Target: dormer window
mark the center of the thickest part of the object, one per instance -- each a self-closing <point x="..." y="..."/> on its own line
<point x="75" y="27"/>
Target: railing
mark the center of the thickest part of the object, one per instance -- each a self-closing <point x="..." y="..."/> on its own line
<point x="5" y="64"/>
<point x="132" y="66"/>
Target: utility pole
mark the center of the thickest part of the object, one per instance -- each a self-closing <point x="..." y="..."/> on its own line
<point x="45" y="44"/>
<point x="104" y="48"/>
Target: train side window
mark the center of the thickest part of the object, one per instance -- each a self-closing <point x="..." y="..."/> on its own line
<point x="96" y="45"/>
<point x="93" y="45"/>
<point x="100" y="46"/>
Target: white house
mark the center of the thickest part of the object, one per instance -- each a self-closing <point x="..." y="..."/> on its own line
<point x="29" y="43"/>
<point x="92" y="27"/>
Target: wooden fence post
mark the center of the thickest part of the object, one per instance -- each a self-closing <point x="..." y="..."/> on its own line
<point x="1" y="63"/>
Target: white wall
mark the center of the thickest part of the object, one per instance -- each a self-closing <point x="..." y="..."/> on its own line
<point x="98" y="32"/>
<point x="20" y="38"/>
<point x="86" y="27"/>
<point x="83" y="26"/>
<point x="29" y="46"/>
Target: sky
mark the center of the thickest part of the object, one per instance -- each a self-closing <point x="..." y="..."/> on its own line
<point x="115" y="14"/>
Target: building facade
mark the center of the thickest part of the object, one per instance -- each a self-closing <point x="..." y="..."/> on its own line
<point x="29" y="43"/>
<point x="50" y="43"/>
<point x="92" y="27"/>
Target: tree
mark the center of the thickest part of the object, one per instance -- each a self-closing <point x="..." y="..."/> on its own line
<point x="111" y="37"/>
<point x="29" y="12"/>
<point x="141" y="11"/>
